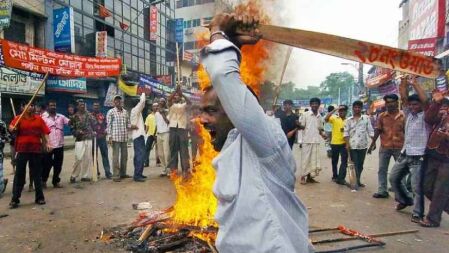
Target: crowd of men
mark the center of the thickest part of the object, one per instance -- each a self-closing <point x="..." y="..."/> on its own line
<point x="37" y="139"/>
<point x="416" y="137"/>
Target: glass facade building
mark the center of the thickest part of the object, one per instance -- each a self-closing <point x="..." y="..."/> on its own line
<point x="140" y="55"/>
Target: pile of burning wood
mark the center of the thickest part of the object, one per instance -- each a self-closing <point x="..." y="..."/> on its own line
<point x="155" y="232"/>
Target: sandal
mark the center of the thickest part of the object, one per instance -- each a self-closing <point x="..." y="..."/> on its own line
<point x="428" y="224"/>
<point x="303" y="180"/>
<point x="13" y="204"/>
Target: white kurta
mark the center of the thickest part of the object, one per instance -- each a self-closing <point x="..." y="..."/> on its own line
<point x="310" y="162"/>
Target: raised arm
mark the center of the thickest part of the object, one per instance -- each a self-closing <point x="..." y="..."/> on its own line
<point x="403" y="91"/>
<point x="329" y="115"/>
<point x="419" y="90"/>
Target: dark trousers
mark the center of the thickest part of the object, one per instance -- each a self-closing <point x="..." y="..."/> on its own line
<point x="53" y="159"/>
<point x="139" y="156"/>
<point x="436" y="188"/>
<point x="35" y="163"/>
<point x="339" y="151"/>
<point x="148" y="147"/>
<point x="195" y="139"/>
<point x="103" y="146"/>
<point x="358" y="158"/>
<point x="178" y="142"/>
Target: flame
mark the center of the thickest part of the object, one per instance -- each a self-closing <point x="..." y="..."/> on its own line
<point x="196" y="203"/>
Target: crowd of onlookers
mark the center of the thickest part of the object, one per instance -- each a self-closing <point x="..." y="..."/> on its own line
<point x="37" y="140"/>
<point x="416" y="137"/>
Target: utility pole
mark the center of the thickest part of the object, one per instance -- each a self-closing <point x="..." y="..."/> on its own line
<point x="339" y="96"/>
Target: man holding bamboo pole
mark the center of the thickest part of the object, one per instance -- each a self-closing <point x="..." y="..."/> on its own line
<point x="30" y="131"/>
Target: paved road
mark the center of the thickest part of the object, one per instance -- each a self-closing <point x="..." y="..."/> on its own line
<point x="74" y="216"/>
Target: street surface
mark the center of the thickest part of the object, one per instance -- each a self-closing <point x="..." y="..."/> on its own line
<point x="74" y="216"/>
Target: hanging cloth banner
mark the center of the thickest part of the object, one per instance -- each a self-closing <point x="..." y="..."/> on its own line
<point x="130" y="90"/>
<point x="38" y="60"/>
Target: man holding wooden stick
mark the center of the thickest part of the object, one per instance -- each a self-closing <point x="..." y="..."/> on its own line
<point x="258" y="210"/>
<point x="30" y="130"/>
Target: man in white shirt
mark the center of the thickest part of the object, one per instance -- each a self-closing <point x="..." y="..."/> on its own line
<point x="138" y="135"/>
<point x="178" y="139"/>
<point x="163" y="148"/>
<point x="258" y="210"/>
<point x="312" y="123"/>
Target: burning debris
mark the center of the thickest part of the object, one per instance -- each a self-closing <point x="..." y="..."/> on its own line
<point x="156" y="232"/>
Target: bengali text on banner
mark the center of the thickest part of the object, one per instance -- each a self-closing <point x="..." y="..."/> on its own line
<point x="38" y="60"/>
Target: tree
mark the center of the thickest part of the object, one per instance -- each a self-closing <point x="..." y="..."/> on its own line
<point x="336" y="81"/>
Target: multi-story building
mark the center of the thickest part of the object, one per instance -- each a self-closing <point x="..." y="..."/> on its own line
<point x="404" y="25"/>
<point x="196" y="14"/>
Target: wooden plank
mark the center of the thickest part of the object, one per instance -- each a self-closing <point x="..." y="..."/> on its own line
<point x="354" y="50"/>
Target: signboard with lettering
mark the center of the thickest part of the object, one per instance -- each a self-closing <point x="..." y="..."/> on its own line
<point x="64" y="30"/>
<point x="164" y="79"/>
<point x="5" y="13"/>
<point x="66" y="85"/>
<point x="153" y="22"/>
<point x="38" y="60"/>
<point x="20" y="82"/>
<point x="423" y="46"/>
<point x="179" y="30"/>
<point x="427" y="19"/>
<point x="101" y="48"/>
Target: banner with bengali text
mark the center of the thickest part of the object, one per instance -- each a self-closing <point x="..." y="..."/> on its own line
<point x="38" y="60"/>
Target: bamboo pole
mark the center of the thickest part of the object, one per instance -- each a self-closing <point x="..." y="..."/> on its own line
<point x="342" y="239"/>
<point x="178" y="69"/>
<point x="278" y="88"/>
<point x="31" y="100"/>
<point x="12" y="107"/>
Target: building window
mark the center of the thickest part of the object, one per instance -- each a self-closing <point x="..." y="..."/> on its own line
<point x="16" y="32"/>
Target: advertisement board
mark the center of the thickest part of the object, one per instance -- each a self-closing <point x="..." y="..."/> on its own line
<point x="58" y="84"/>
<point x="5" y="13"/>
<point x="64" y="30"/>
<point x="101" y="47"/>
<point x="427" y="19"/>
<point x="153" y="22"/>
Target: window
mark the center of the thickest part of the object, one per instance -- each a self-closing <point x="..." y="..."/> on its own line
<point x="15" y="32"/>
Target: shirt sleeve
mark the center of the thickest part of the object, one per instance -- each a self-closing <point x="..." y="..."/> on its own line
<point x="332" y="119"/>
<point x="65" y="120"/>
<point x="109" y="122"/>
<point x="147" y="121"/>
<point x="370" y="128"/>
<point x="379" y="124"/>
<point x="221" y="60"/>
<point x="346" y="128"/>
<point x="44" y="127"/>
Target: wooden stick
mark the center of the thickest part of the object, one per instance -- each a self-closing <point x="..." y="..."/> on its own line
<point x="212" y="247"/>
<point x="178" y="69"/>
<point x="12" y="107"/>
<point x="146" y="233"/>
<point x="322" y="230"/>
<point x="278" y="88"/>
<point x="95" y="159"/>
<point x="31" y="100"/>
<point x="346" y="249"/>
<point x="351" y="49"/>
<point x="341" y="239"/>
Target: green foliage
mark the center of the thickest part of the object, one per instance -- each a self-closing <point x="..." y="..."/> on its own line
<point x="334" y="81"/>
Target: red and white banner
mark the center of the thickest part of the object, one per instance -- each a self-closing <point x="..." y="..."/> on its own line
<point x="101" y="49"/>
<point x="378" y="77"/>
<point x="38" y="60"/>
<point x="427" y="19"/>
<point x="187" y="56"/>
<point x="164" y="79"/>
<point x="423" y="46"/>
<point x="153" y="22"/>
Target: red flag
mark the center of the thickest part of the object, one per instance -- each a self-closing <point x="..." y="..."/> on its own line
<point x="103" y="11"/>
<point x="123" y="26"/>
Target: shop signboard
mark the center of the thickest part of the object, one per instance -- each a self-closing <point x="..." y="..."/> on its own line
<point x="150" y="81"/>
<point x="164" y="79"/>
<point x="64" y="30"/>
<point x="378" y="77"/>
<point x="38" y="60"/>
<point x="57" y="84"/>
<point x="179" y="30"/>
<point x="427" y="19"/>
<point x="101" y="47"/>
<point x="19" y="82"/>
<point x="153" y="22"/>
<point x="5" y="13"/>
<point x="423" y="46"/>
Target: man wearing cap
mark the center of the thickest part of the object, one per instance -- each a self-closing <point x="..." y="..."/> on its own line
<point x="117" y="128"/>
<point x="150" y="128"/>
<point x="82" y="125"/>
<point x="390" y="127"/>
<point x="138" y="135"/>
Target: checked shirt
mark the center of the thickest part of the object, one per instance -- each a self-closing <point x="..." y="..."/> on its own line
<point x="118" y="124"/>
